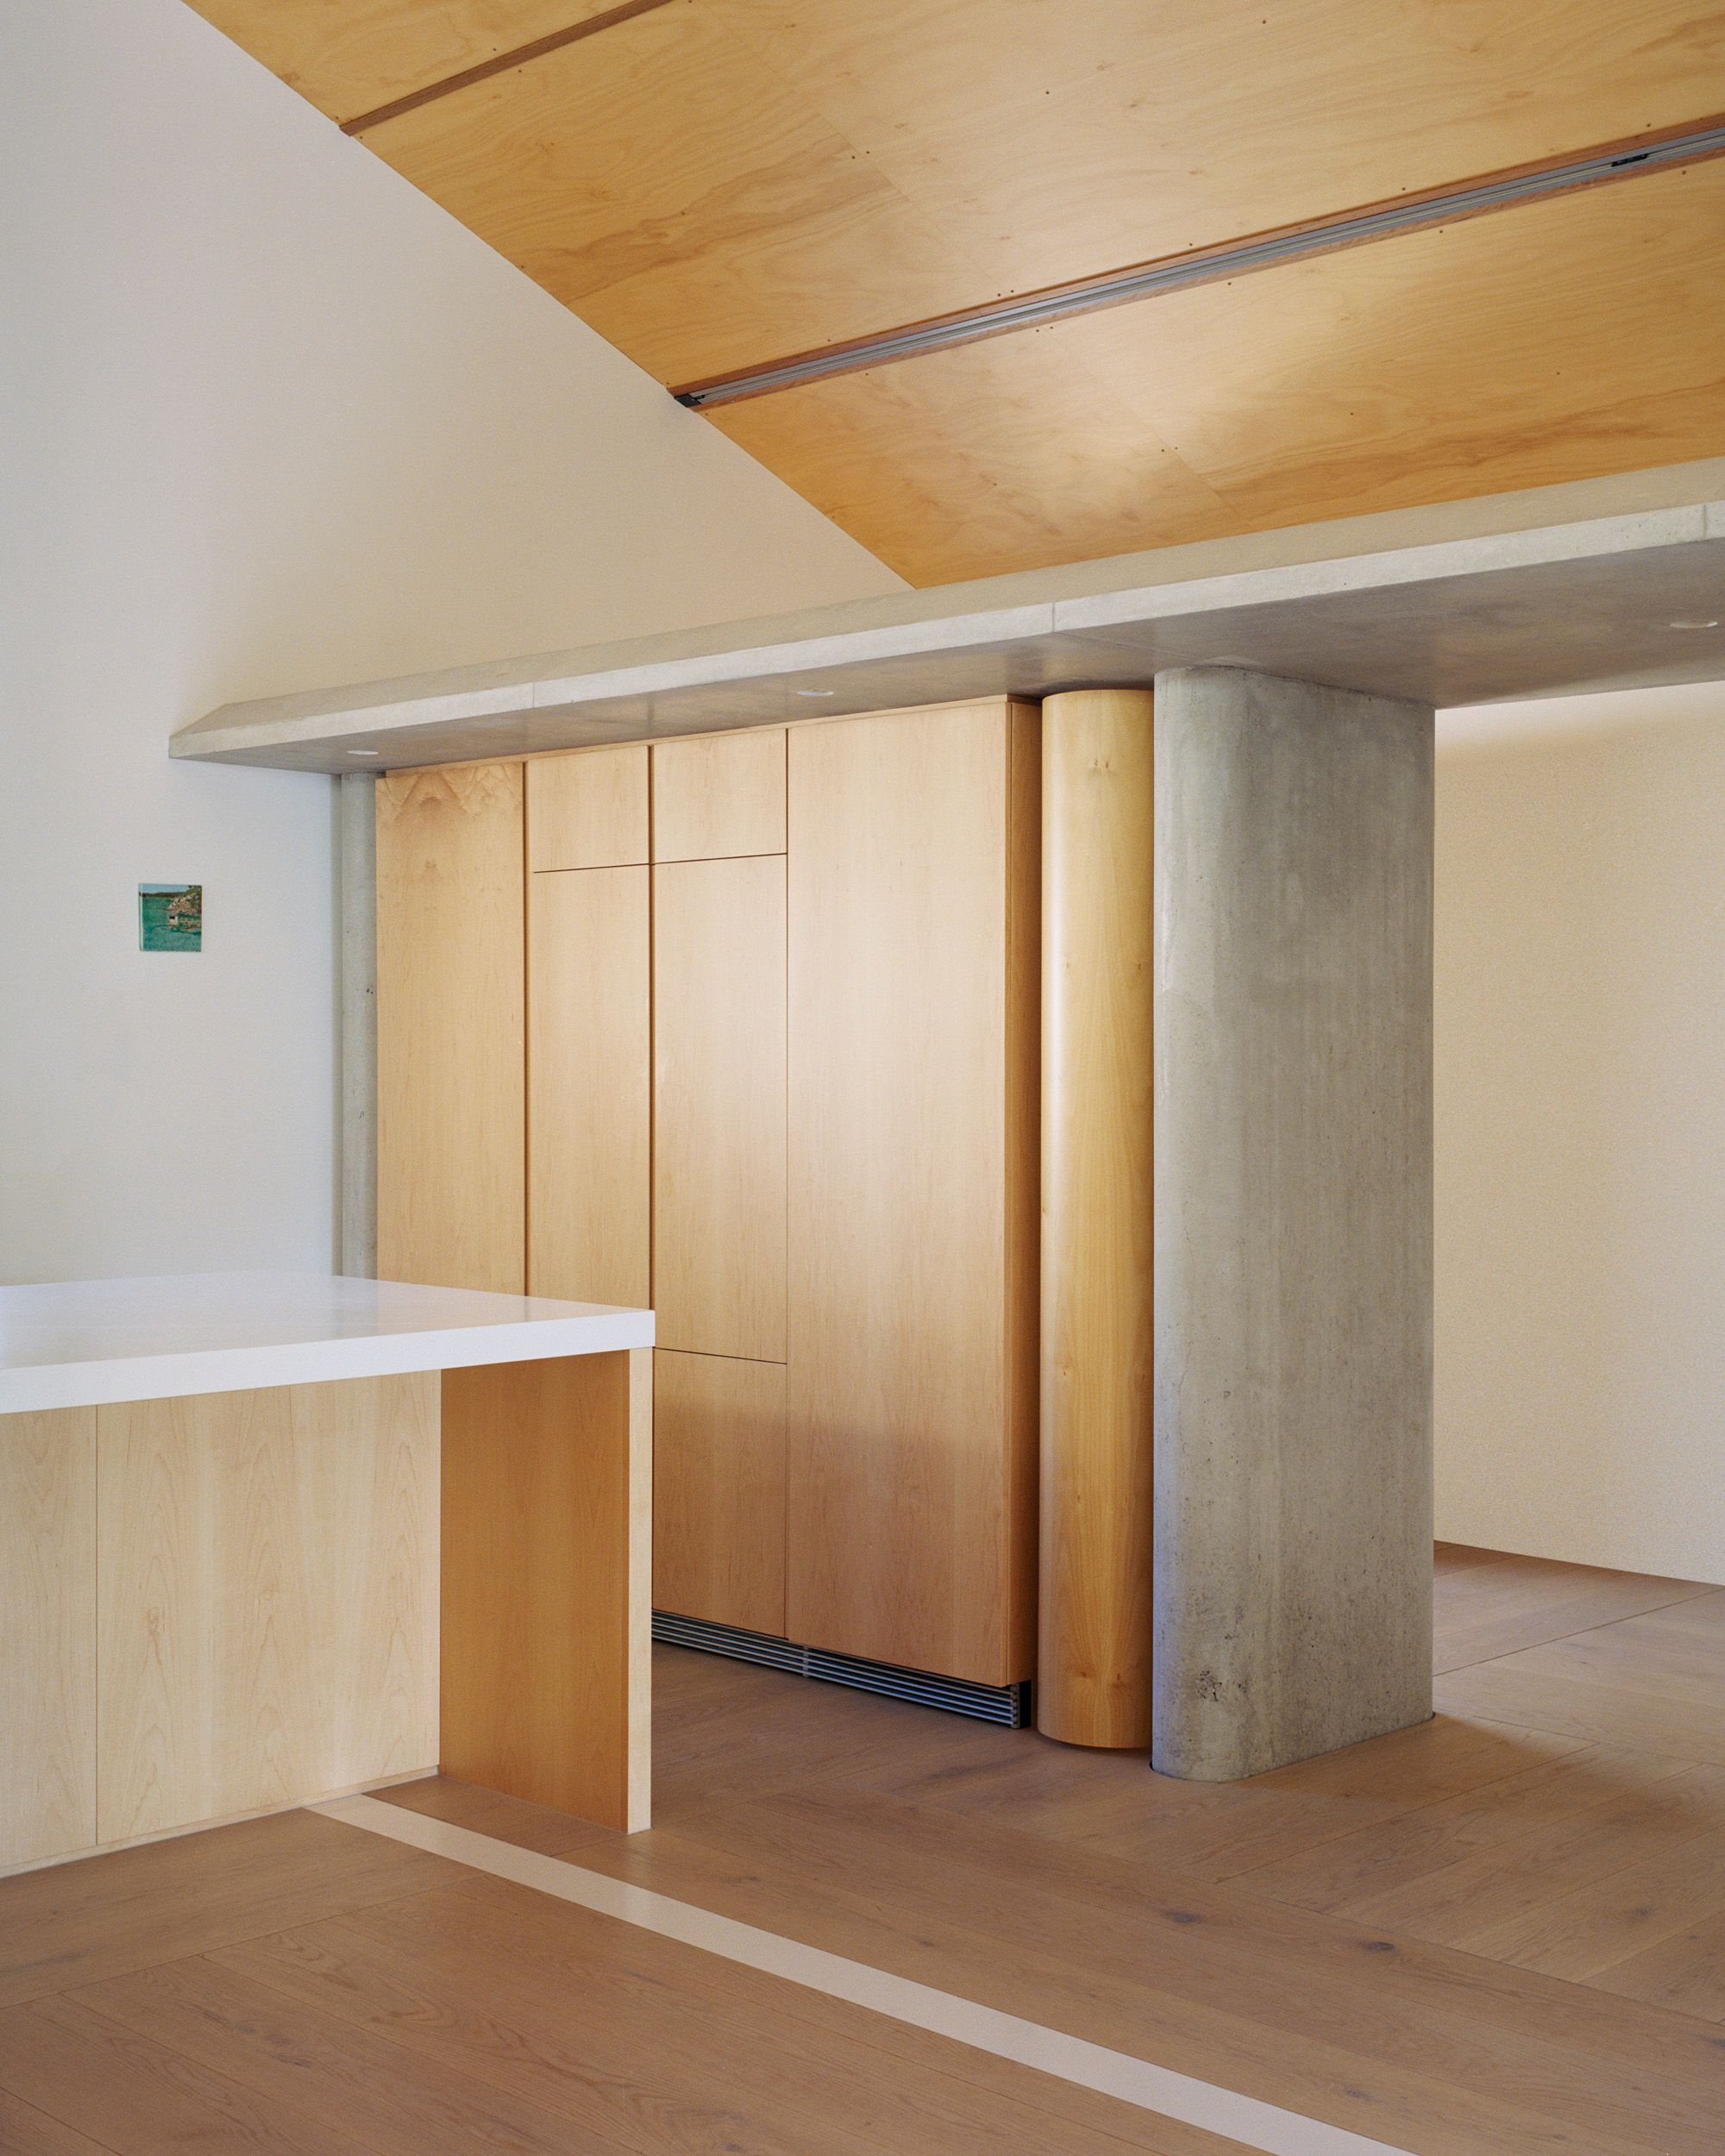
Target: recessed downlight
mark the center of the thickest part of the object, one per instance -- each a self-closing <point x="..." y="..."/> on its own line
<point x="816" y="691"/>
<point x="365" y="752"/>
<point x="1691" y="624"/>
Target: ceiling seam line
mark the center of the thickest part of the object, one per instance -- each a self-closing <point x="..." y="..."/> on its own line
<point x="501" y="63"/>
<point x="1670" y="150"/>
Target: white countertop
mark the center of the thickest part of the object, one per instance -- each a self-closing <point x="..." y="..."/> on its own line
<point x="79" y="1344"/>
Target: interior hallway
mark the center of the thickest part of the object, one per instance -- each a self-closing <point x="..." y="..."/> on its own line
<point x="1502" y="1933"/>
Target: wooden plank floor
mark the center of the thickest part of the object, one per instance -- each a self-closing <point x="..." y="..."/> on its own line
<point x="1500" y="1934"/>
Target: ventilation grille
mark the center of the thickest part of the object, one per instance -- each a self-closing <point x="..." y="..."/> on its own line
<point x="1005" y="1704"/>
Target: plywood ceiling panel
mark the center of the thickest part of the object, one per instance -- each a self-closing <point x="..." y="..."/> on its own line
<point x="677" y="195"/>
<point x="1551" y="342"/>
<point x="714" y="185"/>
<point x="725" y="181"/>
<point x="351" y="56"/>
<point x="1051" y="141"/>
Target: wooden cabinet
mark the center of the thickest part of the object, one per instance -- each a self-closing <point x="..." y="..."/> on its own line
<point x="451" y="1028"/>
<point x="718" y="1152"/>
<point x="47" y="1634"/>
<point x="214" y="1605"/>
<point x="781" y="991"/>
<point x="718" y="1489"/>
<point x="267" y="1599"/>
<point x="719" y="794"/>
<point x="912" y="1414"/>
<point x="589" y="1124"/>
<point x="588" y="809"/>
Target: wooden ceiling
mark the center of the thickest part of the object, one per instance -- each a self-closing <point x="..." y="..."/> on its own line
<point x="714" y="185"/>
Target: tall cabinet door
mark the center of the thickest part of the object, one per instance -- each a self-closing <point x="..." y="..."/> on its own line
<point x="589" y="1079"/>
<point x="912" y="1086"/>
<point x="451" y="1020"/>
<point x="718" y="1177"/>
<point x="719" y="1155"/>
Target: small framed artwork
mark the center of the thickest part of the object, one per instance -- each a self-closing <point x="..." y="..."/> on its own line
<point x="169" y="916"/>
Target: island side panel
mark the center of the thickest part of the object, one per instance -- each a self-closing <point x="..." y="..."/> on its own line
<point x="267" y="1598"/>
<point x="47" y="1634"/>
<point x="546" y="1616"/>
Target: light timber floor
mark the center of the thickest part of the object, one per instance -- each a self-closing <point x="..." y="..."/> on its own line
<point x="1499" y="1934"/>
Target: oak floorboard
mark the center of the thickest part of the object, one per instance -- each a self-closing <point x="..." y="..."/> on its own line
<point x="340" y="2076"/>
<point x="656" y="2058"/>
<point x="1501" y="1605"/>
<point x="1655" y="1683"/>
<point x="137" y="2098"/>
<point x="25" y="2131"/>
<point x="1684" y="1972"/>
<point x="1550" y="1827"/>
<point x="1121" y="1957"/>
<point x="108" y="1915"/>
<point x="1217" y="1830"/>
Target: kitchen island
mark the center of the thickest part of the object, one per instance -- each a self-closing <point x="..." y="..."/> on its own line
<point x="268" y="1538"/>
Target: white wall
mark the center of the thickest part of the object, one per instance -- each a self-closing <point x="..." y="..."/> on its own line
<point x="1581" y="1130"/>
<point x="268" y="420"/>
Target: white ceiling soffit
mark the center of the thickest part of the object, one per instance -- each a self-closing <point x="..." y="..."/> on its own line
<point x="1599" y="585"/>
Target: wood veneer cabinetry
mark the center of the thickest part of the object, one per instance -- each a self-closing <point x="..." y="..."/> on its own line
<point x="719" y="1149"/>
<point x="718" y="1489"/>
<point x="781" y="1081"/>
<point x="451" y="1011"/>
<point x="47" y="1634"/>
<point x="1093" y="1675"/>
<point x="589" y="1117"/>
<point x="587" y="810"/>
<point x="912" y="1422"/>
<point x="719" y="794"/>
<point x="212" y="1605"/>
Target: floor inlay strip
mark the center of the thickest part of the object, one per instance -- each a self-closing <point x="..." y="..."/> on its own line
<point x="1259" y="2125"/>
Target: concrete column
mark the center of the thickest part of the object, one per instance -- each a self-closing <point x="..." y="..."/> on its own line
<point x="356" y="814"/>
<point x="1093" y="1664"/>
<point x="1293" y="1274"/>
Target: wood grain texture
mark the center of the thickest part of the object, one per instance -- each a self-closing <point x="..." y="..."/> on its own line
<point x="1024" y="1174"/>
<point x="547" y="1547"/>
<point x="47" y="1634"/>
<point x="267" y="1621"/>
<point x="589" y="1121"/>
<point x="754" y="226"/>
<point x="716" y="794"/>
<point x="592" y="2035"/>
<point x="73" y="1924"/>
<point x="904" y="1445"/>
<point x="1092" y="1663"/>
<point x="296" y="1975"/>
<point x="351" y="56"/>
<point x="587" y="810"/>
<point x="451" y="996"/>
<point x="719" y="1107"/>
<point x="825" y="171"/>
<point x="1336" y="387"/>
<point x="718" y="1490"/>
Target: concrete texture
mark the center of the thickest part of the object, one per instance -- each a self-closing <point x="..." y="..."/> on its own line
<point x="1553" y="589"/>
<point x="1293" y="1269"/>
<point x="357" y="1023"/>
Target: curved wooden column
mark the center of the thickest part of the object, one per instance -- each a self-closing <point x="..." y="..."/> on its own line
<point x="1092" y="1682"/>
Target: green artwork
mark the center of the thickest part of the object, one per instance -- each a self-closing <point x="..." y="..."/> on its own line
<point x="169" y="916"/>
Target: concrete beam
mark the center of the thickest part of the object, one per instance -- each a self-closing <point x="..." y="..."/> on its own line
<point x="1293" y="1237"/>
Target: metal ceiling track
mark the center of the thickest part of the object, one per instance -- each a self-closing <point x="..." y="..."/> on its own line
<point x="1205" y="266"/>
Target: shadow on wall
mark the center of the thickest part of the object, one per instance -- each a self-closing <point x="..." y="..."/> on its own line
<point x="1580" y="1109"/>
